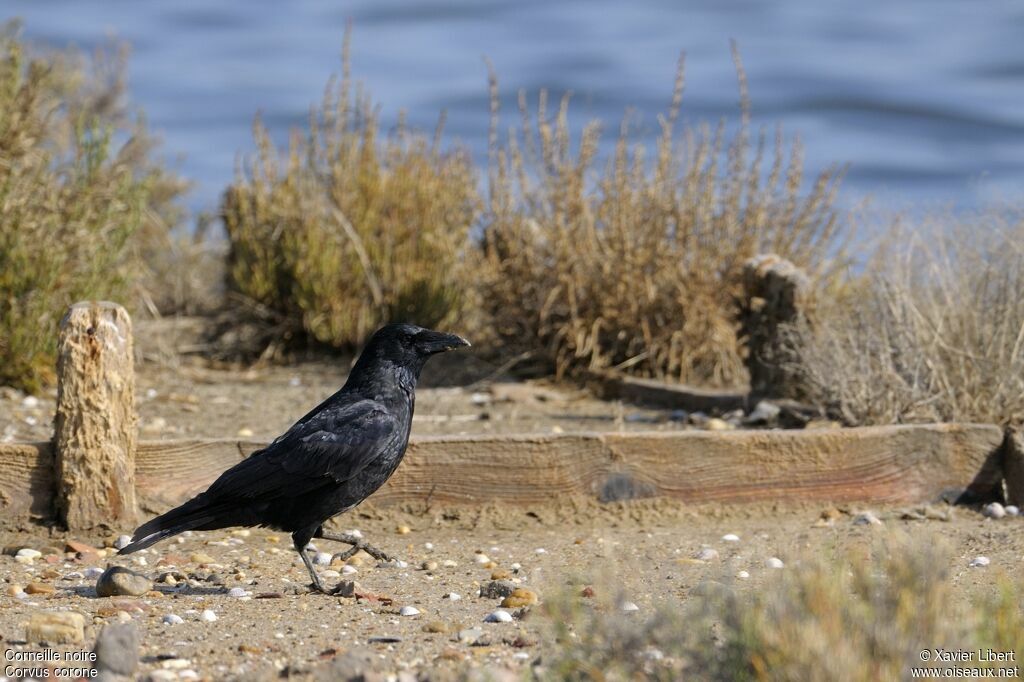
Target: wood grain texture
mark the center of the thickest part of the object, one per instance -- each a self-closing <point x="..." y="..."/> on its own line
<point x="890" y="464"/>
<point x="27" y="481"/>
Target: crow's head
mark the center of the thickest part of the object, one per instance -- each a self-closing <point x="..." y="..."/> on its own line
<point x="406" y="345"/>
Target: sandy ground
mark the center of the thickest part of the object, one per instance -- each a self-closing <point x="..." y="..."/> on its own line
<point x="279" y="628"/>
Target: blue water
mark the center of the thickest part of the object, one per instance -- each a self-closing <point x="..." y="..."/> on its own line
<point x="922" y="99"/>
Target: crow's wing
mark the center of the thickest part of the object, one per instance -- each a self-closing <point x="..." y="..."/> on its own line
<point x="327" y="447"/>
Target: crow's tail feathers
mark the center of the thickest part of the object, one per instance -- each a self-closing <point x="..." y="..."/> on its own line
<point x="193" y="514"/>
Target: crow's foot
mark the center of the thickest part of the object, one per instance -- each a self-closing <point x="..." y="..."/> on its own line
<point x="357" y="544"/>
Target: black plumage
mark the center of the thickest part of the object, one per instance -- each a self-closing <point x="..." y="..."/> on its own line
<point x="327" y="462"/>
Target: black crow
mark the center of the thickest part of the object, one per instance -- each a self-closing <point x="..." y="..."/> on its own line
<point x="328" y="462"/>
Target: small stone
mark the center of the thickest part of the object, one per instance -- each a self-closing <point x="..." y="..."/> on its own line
<point x="117" y="648"/>
<point x="346" y="588"/>
<point x="408" y="611"/>
<point x="56" y="627"/>
<point x="208" y="616"/>
<point x="482" y="559"/>
<point x="28" y="553"/>
<point x="355" y="532"/>
<point x="39" y="588"/>
<point x="866" y="518"/>
<point x="322" y="559"/>
<point x="79" y="547"/>
<point x="775" y="562"/>
<point x="519" y="598"/>
<point x="994" y="510"/>
<point x="498" y="617"/>
<point x="743" y="575"/>
<point x="237" y="592"/>
<point x="245" y="433"/>
<point x="331" y="573"/>
<point x="27" y="561"/>
<point x="14" y="591"/>
<point x="716" y="424"/>
<point x="30" y="401"/>
<point x="429" y="565"/>
<point x="453" y="596"/>
<point x="628" y="607"/>
<point x="1012" y="510"/>
<point x="730" y="537"/>
<point x="175" y="663"/>
<point x="122" y="541"/>
<point x="706" y="554"/>
<point x="979" y="562"/>
<point x="470" y="635"/>
<point x="500" y="574"/>
<point x="436" y="626"/>
<point x="403" y="530"/>
<point x="497" y="589"/>
<point x="448" y="563"/>
<point x="92" y="572"/>
<point x="118" y="580"/>
<point x="202" y="558"/>
<point x="172" y="619"/>
<point x="540" y="550"/>
<point x="349" y="570"/>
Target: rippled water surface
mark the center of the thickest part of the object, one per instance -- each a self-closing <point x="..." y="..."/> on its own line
<point x="924" y="100"/>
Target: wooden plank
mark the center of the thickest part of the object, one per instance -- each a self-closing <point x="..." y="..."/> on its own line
<point x="654" y="393"/>
<point x="890" y="464"/>
<point x="27" y="481"/>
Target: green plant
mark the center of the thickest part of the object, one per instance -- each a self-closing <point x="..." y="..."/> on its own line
<point x="75" y="203"/>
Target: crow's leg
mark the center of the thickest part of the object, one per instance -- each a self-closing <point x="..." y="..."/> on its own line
<point x="317" y="584"/>
<point x="357" y="544"/>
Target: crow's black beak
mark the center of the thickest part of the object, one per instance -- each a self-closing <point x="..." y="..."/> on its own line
<point x="438" y="342"/>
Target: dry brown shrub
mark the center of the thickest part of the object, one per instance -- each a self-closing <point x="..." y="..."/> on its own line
<point x="637" y="265"/>
<point x="349" y="229"/>
<point x="932" y="331"/>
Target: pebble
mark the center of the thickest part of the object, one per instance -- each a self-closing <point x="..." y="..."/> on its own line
<point x="237" y="592"/>
<point x="349" y="570"/>
<point x="429" y="565"/>
<point x="28" y="561"/>
<point x="448" y="563"/>
<point x="730" y="537"/>
<point x="540" y="550"/>
<point x="1012" y="510"/>
<point x="775" y="562"/>
<point x="403" y="530"/>
<point x="208" y="616"/>
<point x="92" y="572"/>
<point x="245" y="433"/>
<point x="453" y="596"/>
<point x="497" y="589"/>
<point x="742" y="575"/>
<point x="979" y="561"/>
<point x="498" y="617"/>
<point x="994" y="510"/>
<point x="409" y="611"/>
<point x="322" y="559"/>
<point x="470" y="635"/>
<point x="202" y="558"/>
<point x="628" y="607"/>
<point x="172" y="619"/>
<point x="79" y="547"/>
<point x="30" y="401"/>
<point x="56" y="627"/>
<point x="519" y="598"/>
<point x="15" y="591"/>
<point x="330" y="573"/>
<point x="122" y="541"/>
<point x="117" y="648"/>
<point x="39" y="588"/>
<point x="355" y="532"/>
<point x="28" y="553"/>
<point x="866" y="519"/>
<point x="117" y="580"/>
<point x="706" y="554"/>
<point x="482" y="559"/>
<point x="716" y="424"/>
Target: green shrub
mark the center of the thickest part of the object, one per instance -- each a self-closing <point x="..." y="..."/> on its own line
<point x="74" y="204"/>
<point x="637" y="265"/>
<point x="349" y="230"/>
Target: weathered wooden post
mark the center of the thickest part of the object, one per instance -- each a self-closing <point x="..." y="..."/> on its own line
<point x="1013" y="466"/>
<point x="95" y="426"/>
<point x="775" y="294"/>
